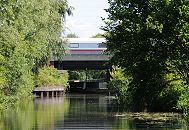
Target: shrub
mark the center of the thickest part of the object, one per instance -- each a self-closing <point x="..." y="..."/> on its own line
<point x="119" y="83"/>
<point x="183" y="102"/>
<point x="49" y="76"/>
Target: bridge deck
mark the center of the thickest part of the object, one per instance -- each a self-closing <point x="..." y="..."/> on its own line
<point x="84" y="53"/>
<point x="80" y="57"/>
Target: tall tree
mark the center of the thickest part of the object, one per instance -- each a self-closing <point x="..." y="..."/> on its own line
<point x="145" y="36"/>
<point x="29" y="37"/>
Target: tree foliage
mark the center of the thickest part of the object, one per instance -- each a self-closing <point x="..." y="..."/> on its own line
<point x="72" y="35"/>
<point x="120" y="84"/>
<point x="86" y="74"/>
<point x="29" y="38"/>
<point x="49" y="76"/>
<point x="98" y="35"/>
<point x="149" y="38"/>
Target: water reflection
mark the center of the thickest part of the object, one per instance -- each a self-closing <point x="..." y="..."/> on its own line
<point x="40" y="114"/>
<point x="73" y="112"/>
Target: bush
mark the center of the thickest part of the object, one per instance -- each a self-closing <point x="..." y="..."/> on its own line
<point x="166" y="100"/>
<point x="49" y="76"/>
<point x="86" y="74"/>
<point x="169" y="96"/>
<point x="183" y="102"/>
<point x="119" y="83"/>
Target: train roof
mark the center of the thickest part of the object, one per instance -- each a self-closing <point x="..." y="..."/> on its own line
<point x="86" y="40"/>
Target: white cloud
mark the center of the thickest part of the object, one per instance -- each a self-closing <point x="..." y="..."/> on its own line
<point x="83" y="28"/>
<point x="86" y="20"/>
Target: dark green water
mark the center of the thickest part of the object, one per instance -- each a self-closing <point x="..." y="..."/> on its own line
<point x="73" y="112"/>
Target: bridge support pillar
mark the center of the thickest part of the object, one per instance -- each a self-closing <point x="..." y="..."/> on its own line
<point x="108" y="76"/>
<point x="84" y="85"/>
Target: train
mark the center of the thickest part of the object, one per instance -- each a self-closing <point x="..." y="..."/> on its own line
<point x="86" y="45"/>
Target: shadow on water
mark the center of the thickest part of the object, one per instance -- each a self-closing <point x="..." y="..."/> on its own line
<point x="76" y="111"/>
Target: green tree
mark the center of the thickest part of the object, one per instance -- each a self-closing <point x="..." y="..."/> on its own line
<point x="148" y="38"/>
<point x="49" y="76"/>
<point x="29" y="38"/>
<point x="77" y="75"/>
<point x="72" y="35"/>
<point x="98" y="35"/>
<point x="120" y="84"/>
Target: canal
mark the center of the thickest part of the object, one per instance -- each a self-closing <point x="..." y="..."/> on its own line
<point x="75" y="111"/>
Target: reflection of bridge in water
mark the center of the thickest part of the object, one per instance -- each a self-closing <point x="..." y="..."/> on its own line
<point x="85" y="54"/>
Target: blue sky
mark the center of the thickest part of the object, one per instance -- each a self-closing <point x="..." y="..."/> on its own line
<point x="86" y="19"/>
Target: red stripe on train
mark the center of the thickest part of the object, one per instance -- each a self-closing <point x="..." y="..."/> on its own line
<point x="84" y="50"/>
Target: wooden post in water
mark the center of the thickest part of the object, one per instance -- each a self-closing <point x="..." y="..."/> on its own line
<point x="47" y="94"/>
<point x="52" y="93"/>
<point x="35" y="94"/>
<point x="41" y="94"/>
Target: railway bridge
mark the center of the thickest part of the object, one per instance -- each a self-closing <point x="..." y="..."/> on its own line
<point x="85" y="54"/>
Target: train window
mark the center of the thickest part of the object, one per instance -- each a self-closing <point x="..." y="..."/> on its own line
<point x="74" y="45"/>
<point x="102" y="45"/>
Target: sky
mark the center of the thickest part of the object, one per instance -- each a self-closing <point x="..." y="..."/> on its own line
<point x="86" y="20"/>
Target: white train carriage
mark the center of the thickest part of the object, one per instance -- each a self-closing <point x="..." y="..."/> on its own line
<point x="88" y="46"/>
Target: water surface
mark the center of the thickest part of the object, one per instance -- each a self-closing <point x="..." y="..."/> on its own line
<point x="76" y="111"/>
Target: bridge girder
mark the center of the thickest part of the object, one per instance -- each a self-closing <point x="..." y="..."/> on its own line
<point x="82" y="65"/>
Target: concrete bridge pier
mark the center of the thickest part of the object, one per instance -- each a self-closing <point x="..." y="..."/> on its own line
<point x="84" y="85"/>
